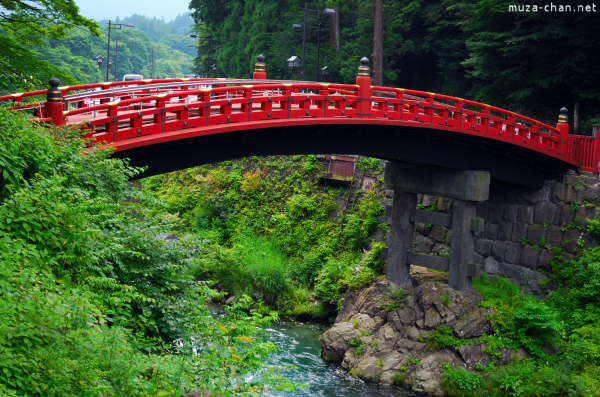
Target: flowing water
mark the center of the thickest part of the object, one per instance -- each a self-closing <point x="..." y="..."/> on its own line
<point x="299" y="345"/>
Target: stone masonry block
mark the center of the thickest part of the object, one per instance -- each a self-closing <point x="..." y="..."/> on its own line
<point x="519" y="232"/>
<point x="570" y="240"/>
<point x="482" y="209"/>
<point x="513" y="253"/>
<point x="592" y="194"/>
<point x="575" y="192"/>
<point x="557" y="192"/>
<point x="495" y="213"/>
<point x="543" y="264"/>
<point x="423" y="244"/>
<point x="584" y="213"/>
<point x="544" y="212"/>
<point x="553" y="236"/>
<point x="510" y="213"/>
<point x="523" y="275"/>
<point x="477" y="258"/>
<point x="428" y="200"/>
<point x="535" y="281"/>
<point x="508" y="270"/>
<point x="505" y="231"/>
<point x="490" y="231"/>
<point x="529" y="257"/>
<point x="491" y="266"/>
<point x="484" y="247"/>
<point x="532" y="197"/>
<point x="436" y="181"/>
<point x="564" y="215"/>
<point x="536" y="234"/>
<point x="525" y="214"/>
<point x="498" y="250"/>
<point x="477" y="225"/>
<point x="438" y="233"/>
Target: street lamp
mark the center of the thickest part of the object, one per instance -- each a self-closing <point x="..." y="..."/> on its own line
<point x="326" y="72"/>
<point x="117" y="26"/>
<point x="327" y="11"/>
<point x="293" y="63"/>
<point x="99" y="61"/>
<point x="214" y="69"/>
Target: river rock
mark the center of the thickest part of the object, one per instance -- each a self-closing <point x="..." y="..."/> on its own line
<point x="393" y="333"/>
<point x="334" y="342"/>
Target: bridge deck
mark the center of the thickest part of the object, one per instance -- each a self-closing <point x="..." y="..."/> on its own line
<point x="134" y="115"/>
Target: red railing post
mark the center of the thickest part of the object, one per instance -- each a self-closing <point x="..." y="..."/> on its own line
<point x="54" y="105"/>
<point x="596" y="158"/>
<point x="563" y="127"/>
<point x="260" y="70"/>
<point x="363" y="81"/>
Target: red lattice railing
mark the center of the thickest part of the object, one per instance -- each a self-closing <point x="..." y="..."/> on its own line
<point x="130" y="114"/>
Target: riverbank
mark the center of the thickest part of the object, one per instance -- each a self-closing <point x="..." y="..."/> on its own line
<point x="383" y="333"/>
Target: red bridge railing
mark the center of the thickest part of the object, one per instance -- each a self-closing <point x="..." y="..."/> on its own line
<point x="130" y="114"/>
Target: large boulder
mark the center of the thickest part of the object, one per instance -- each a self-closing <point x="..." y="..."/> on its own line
<point x="390" y="346"/>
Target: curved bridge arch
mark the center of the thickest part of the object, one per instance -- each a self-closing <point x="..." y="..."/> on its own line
<point x="178" y="123"/>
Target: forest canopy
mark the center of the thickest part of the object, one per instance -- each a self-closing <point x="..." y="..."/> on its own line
<point x="532" y="62"/>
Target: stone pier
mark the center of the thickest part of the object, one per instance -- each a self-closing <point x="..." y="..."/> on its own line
<point x="466" y="188"/>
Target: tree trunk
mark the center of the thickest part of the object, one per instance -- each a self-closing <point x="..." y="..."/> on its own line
<point x="377" y="42"/>
<point x="338" y="45"/>
<point x="576" y="118"/>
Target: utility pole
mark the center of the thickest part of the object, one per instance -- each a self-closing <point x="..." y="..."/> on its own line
<point x="377" y="42"/>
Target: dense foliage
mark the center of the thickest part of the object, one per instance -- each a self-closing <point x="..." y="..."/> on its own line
<point x="560" y="334"/>
<point x="533" y="62"/>
<point x="93" y="299"/>
<point x="276" y="230"/>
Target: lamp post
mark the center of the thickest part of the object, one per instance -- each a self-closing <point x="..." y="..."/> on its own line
<point x="293" y="63"/>
<point x="117" y="26"/>
<point x="304" y="27"/>
<point x="194" y="36"/>
<point x="214" y="69"/>
<point x="99" y="61"/>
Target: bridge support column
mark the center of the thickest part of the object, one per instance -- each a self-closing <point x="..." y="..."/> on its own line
<point x="400" y="238"/>
<point x="465" y="187"/>
<point x="462" y="245"/>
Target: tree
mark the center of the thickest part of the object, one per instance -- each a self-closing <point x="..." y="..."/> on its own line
<point x="28" y="23"/>
<point x="538" y="61"/>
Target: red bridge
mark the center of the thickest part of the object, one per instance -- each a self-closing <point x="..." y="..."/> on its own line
<point x="178" y="123"/>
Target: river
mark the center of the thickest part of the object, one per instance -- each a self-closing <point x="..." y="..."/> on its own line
<point x="299" y="345"/>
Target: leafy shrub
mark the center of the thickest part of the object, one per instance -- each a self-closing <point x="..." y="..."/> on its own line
<point x="458" y="380"/>
<point x="90" y="291"/>
<point x="440" y="338"/>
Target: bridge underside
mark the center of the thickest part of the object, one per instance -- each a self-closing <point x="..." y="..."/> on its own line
<point x="504" y="161"/>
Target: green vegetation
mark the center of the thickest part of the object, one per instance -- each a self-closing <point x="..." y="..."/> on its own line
<point x="471" y="49"/>
<point x="274" y="231"/>
<point x="567" y="322"/>
<point x="66" y="45"/>
<point x="93" y="301"/>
